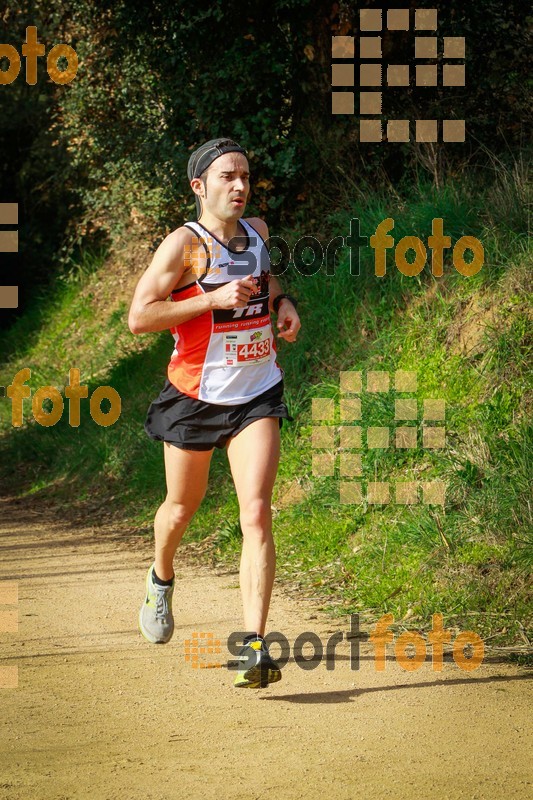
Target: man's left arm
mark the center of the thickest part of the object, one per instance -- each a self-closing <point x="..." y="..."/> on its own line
<point x="288" y="320"/>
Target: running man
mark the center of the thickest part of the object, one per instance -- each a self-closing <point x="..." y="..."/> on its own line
<point x="224" y="386"/>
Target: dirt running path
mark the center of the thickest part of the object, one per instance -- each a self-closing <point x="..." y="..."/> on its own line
<point x="101" y="714"/>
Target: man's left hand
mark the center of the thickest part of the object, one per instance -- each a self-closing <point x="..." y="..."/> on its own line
<point x="288" y="321"/>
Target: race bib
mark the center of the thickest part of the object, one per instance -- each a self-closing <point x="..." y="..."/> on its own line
<point x="247" y="347"/>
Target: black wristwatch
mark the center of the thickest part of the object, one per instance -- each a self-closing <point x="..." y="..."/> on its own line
<point x="277" y="300"/>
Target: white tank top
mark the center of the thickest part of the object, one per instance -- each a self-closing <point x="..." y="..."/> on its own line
<point x="227" y="356"/>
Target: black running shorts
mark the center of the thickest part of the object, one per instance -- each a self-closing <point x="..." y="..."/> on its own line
<point x="192" y="424"/>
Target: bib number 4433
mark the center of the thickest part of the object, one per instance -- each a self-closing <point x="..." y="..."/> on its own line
<point x="253" y="350"/>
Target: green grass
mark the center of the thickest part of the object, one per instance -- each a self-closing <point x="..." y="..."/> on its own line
<point x="468" y="340"/>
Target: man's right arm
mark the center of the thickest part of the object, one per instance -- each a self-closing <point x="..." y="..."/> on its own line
<point x="150" y="309"/>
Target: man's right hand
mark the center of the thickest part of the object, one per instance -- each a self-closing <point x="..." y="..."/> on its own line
<point x="234" y="294"/>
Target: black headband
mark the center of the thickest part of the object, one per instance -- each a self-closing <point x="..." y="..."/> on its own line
<point x="203" y="157"/>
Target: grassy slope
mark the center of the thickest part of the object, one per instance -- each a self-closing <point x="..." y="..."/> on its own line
<point x="468" y="339"/>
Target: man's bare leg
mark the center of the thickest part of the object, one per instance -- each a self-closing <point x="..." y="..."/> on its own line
<point x="187" y="472"/>
<point x="254" y="456"/>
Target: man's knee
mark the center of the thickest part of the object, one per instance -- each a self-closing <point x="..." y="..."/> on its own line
<point x="178" y="515"/>
<point x="256" y="514"/>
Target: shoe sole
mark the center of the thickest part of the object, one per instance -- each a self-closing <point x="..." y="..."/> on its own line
<point x="255" y="678"/>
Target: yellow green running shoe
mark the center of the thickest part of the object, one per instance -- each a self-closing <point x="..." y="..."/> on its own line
<point x="155" y="618"/>
<point x="258" y="668"/>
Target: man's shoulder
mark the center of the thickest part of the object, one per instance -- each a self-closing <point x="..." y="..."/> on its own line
<point x="172" y="247"/>
<point x="259" y="225"/>
<point x="179" y="237"/>
<point x="183" y="232"/>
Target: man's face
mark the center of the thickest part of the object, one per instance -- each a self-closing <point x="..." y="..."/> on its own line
<point x="226" y="186"/>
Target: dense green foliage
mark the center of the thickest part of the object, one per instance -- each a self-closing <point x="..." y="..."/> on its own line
<point x="157" y="78"/>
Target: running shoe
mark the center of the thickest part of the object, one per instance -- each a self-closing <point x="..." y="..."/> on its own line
<point x="155" y="618"/>
<point x="258" y="668"/>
